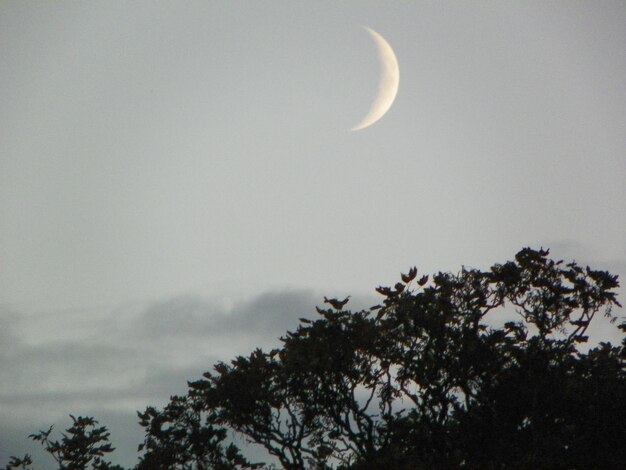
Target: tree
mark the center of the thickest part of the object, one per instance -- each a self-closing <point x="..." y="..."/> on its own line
<point x="424" y="378"/>
<point x="82" y="446"/>
<point x="177" y="437"/>
<point x="475" y="370"/>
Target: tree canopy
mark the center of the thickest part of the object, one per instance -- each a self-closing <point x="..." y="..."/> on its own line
<point x="476" y="370"/>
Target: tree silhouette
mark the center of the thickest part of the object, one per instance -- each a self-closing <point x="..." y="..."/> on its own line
<point x="424" y="380"/>
<point x="82" y="446"/>
<point x="177" y="437"/>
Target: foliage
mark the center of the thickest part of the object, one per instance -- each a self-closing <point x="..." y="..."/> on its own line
<point x="83" y="445"/>
<point x="176" y="438"/>
<point x="426" y="379"/>
<point x="23" y="463"/>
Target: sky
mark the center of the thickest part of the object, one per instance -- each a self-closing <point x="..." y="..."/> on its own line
<point x="178" y="182"/>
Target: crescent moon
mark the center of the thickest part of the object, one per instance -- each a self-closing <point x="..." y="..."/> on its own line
<point x="388" y="85"/>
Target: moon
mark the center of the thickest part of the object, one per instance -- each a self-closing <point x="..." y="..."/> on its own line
<point x="388" y="85"/>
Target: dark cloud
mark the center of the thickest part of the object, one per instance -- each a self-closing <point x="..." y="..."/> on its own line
<point x="268" y="314"/>
<point x="111" y="364"/>
<point x="179" y="316"/>
<point x="151" y="388"/>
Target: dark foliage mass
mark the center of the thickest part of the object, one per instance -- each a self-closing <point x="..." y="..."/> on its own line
<point x="425" y="380"/>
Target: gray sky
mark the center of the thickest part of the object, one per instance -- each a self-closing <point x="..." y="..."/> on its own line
<point x="177" y="182"/>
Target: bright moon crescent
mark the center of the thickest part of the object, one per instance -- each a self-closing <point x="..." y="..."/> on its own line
<point x="389" y="82"/>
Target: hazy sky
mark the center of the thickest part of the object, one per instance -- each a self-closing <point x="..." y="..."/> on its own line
<point x="178" y="182"/>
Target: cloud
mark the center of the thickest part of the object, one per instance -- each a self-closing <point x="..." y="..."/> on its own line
<point x="266" y="315"/>
<point x="109" y="363"/>
<point x="270" y="314"/>
<point x="8" y="321"/>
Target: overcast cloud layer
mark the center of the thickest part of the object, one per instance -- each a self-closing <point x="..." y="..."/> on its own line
<point x="178" y="185"/>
